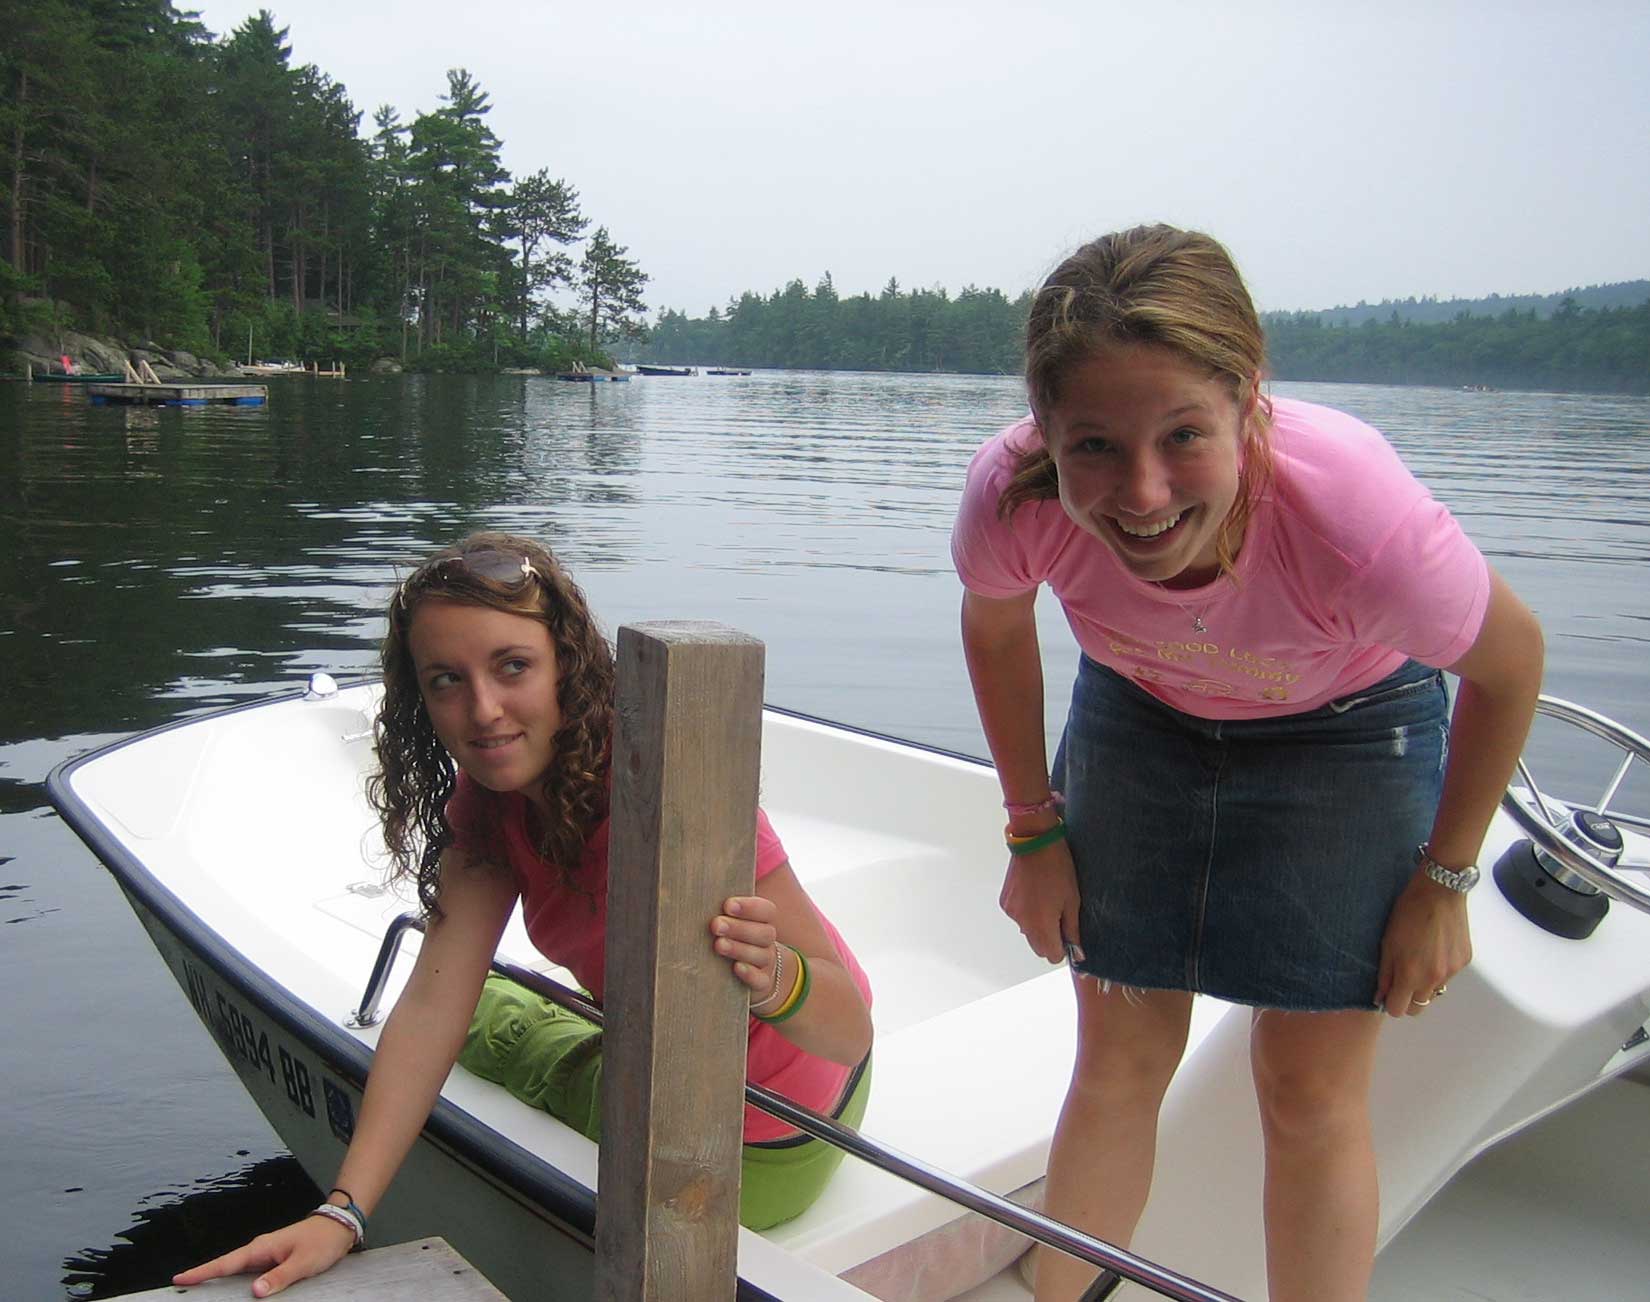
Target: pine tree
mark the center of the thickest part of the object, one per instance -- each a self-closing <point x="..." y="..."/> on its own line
<point x="610" y="285"/>
<point x="541" y="211"/>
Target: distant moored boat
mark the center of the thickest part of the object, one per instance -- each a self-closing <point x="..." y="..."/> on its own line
<point x="81" y="377"/>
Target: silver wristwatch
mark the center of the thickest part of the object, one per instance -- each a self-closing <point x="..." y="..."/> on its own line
<point x="1460" y="880"/>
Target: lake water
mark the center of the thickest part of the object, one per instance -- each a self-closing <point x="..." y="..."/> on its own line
<point x="158" y="563"/>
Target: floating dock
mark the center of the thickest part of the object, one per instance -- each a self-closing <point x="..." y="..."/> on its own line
<point x="179" y="395"/>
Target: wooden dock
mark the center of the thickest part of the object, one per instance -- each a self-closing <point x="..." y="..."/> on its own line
<point x="179" y="395"/>
<point x="425" y="1270"/>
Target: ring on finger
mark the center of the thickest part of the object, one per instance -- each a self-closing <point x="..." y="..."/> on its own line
<point x="1441" y="990"/>
<point x="1419" y="1003"/>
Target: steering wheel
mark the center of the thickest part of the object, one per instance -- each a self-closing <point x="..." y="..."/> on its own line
<point x="1540" y="819"/>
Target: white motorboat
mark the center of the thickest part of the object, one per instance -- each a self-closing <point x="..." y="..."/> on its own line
<point x="244" y="843"/>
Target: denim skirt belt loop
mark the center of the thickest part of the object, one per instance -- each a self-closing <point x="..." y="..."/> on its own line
<point x="1256" y="860"/>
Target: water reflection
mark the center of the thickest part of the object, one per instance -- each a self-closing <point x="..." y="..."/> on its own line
<point x="212" y="553"/>
<point x="182" y="1227"/>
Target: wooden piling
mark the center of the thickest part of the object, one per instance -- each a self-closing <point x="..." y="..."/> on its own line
<point x="686" y="753"/>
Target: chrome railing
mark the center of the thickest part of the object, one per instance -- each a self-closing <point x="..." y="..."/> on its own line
<point x="1535" y="814"/>
<point x="1033" y="1224"/>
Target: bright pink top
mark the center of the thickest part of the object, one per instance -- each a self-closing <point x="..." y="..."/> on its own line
<point x="1347" y="567"/>
<point x="567" y="921"/>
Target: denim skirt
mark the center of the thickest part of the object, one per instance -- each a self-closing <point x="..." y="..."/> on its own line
<point x="1256" y="860"/>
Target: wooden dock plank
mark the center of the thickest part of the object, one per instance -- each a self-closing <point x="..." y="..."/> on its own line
<point x="424" y="1270"/>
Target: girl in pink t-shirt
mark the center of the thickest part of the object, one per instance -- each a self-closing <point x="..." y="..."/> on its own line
<point x="1264" y="797"/>
<point x="496" y="676"/>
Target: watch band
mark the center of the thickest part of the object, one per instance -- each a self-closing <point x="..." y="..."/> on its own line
<point x="1459" y="880"/>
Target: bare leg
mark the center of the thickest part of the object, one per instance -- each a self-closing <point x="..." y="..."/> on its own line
<point x="1100" y="1167"/>
<point x="1312" y="1075"/>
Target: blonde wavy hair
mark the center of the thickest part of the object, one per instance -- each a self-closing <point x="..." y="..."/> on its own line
<point x="416" y="776"/>
<point x="1154" y="285"/>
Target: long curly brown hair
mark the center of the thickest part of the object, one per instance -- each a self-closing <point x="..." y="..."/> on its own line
<point x="416" y="776"/>
<point x="1155" y="285"/>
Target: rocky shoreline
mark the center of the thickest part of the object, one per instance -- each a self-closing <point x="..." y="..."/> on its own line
<point x="99" y="354"/>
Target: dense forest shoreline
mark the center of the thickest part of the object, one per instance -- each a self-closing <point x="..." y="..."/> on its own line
<point x="163" y="183"/>
<point x="1570" y="347"/>
<point x="1601" y="350"/>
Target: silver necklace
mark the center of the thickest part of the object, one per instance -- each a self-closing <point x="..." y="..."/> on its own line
<point x="1198" y="626"/>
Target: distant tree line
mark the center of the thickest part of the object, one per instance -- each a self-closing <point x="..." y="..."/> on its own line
<point x="160" y="182"/>
<point x="978" y="331"/>
<point x="1600" y="349"/>
<point x="1430" y="310"/>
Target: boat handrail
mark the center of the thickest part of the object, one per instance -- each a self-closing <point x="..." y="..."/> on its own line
<point x="1033" y="1224"/>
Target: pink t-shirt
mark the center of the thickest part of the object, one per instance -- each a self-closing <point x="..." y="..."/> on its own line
<point x="1347" y="567"/>
<point x="567" y="921"/>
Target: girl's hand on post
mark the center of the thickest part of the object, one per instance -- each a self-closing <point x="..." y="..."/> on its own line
<point x="1040" y="895"/>
<point x="1427" y="941"/>
<point x="745" y="935"/>
<point x="287" y="1255"/>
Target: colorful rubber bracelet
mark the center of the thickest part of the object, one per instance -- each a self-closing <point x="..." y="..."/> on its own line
<point x="1017" y="810"/>
<point x="1039" y="841"/>
<point x="799" y="993"/>
<point x="349" y="1202"/>
<point x="787" y="1004"/>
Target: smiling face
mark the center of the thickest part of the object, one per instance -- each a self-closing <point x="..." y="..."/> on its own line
<point x="1148" y="447"/>
<point x="488" y="679"/>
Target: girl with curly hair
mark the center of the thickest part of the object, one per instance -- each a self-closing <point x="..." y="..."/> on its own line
<point x="493" y="742"/>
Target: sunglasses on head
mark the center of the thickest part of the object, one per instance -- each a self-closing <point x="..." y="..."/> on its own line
<point x="510" y="570"/>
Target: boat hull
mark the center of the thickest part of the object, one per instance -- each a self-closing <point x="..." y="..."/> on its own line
<point x="272" y="936"/>
<point x="519" y="1221"/>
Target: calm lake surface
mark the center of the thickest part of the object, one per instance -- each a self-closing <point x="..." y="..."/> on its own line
<point x="154" y="564"/>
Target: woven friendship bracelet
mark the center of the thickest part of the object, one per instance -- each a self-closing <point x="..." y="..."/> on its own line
<point x="1018" y="845"/>
<point x="350" y="1220"/>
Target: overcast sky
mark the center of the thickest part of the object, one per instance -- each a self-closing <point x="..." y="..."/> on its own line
<point x="1342" y="151"/>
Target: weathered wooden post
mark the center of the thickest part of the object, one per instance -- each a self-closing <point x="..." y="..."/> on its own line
<point x="686" y="753"/>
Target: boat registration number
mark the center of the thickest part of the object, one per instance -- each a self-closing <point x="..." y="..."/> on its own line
<point x="243" y="1040"/>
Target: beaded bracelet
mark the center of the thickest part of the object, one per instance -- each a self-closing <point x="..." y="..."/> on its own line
<point x="1018" y="845"/>
<point x="798" y="996"/>
<point x="350" y="1220"/>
